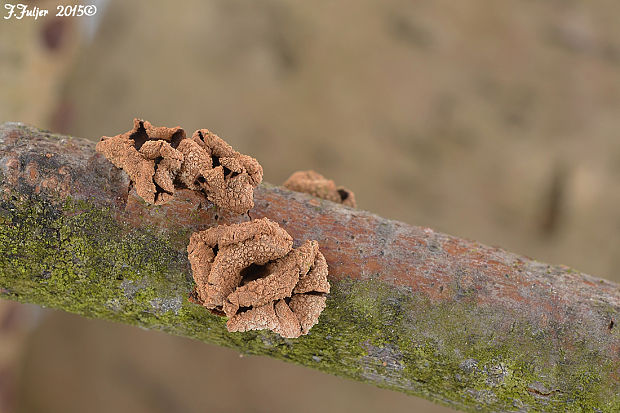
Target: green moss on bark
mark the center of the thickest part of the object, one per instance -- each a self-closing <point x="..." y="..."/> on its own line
<point x="78" y="257"/>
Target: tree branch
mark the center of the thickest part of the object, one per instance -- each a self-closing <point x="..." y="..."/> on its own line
<point x="413" y="310"/>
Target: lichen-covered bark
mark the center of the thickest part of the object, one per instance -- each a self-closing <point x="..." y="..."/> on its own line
<point x="410" y="309"/>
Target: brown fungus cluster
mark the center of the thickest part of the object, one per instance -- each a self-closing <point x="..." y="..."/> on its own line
<point x="159" y="160"/>
<point x="315" y="184"/>
<point x="148" y="155"/>
<point x="251" y="273"/>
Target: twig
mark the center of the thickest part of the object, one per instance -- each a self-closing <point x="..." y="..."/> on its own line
<point x="451" y="320"/>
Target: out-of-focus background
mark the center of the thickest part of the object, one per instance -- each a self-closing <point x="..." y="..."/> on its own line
<point x="497" y="121"/>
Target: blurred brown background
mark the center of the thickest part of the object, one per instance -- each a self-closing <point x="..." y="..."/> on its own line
<point x="497" y="121"/>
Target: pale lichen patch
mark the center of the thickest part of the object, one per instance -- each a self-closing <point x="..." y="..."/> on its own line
<point x="315" y="184"/>
<point x="162" y="305"/>
<point x="251" y="273"/>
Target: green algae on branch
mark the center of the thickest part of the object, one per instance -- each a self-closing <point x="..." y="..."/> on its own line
<point x="469" y="326"/>
<point x="78" y="258"/>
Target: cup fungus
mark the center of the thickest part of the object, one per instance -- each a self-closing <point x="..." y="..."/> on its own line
<point x="315" y="184"/>
<point x="148" y="155"/>
<point x="158" y="160"/>
<point x="250" y="273"/>
<point x="227" y="177"/>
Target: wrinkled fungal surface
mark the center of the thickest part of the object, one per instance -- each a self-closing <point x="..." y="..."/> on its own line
<point x="227" y="177"/>
<point x="250" y="273"/>
<point x="218" y="256"/>
<point x="148" y="155"/>
<point x="315" y="184"/>
<point x="159" y="160"/>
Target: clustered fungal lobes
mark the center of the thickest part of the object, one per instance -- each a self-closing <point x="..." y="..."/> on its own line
<point x="251" y="273"/>
<point x="159" y="160"/>
<point x="315" y="184"/>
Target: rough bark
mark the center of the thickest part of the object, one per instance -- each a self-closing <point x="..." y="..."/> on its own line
<point x="466" y="325"/>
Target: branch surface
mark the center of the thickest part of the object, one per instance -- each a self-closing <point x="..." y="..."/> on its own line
<point x="451" y="320"/>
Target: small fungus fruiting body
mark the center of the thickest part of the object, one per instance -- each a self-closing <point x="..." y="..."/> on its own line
<point x="158" y="160"/>
<point x="251" y="273"/>
<point x="225" y="175"/>
<point x="315" y="184"/>
<point x="218" y="256"/>
<point x="148" y="155"/>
